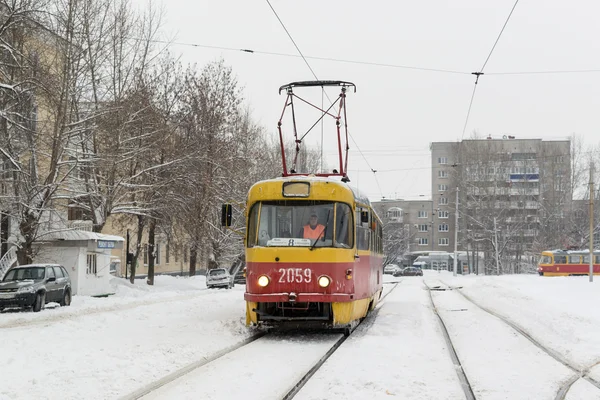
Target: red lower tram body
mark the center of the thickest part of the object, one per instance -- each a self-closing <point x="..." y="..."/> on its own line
<point x="311" y="292"/>
<point x="567" y="269"/>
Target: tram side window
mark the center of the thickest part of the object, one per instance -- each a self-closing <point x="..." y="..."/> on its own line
<point x="362" y="238"/>
<point x="596" y="259"/>
<point x="380" y="235"/>
<point x="585" y="259"/>
<point x="343" y="226"/>
<point x="574" y="260"/>
<point x="252" y="225"/>
<point x="560" y="259"/>
<point x="546" y="260"/>
<point x="363" y="233"/>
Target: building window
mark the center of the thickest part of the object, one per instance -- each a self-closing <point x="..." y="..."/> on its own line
<point x="442" y="188"/>
<point x="442" y="160"/>
<point x="75" y="213"/>
<point x="422" y="214"/>
<point x="443" y="174"/>
<point x="443" y="214"/>
<point x="167" y="248"/>
<point x="443" y="241"/>
<point x="157" y="253"/>
<point x="92" y="268"/>
<point x="443" y="228"/>
<point x="423" y="241"/>
<point x="145" y="254"/>
<point x="423" y="228"/>
<point x="443" y="201"/>
<point x="185" y="254"/>
<point x="394" y="213"/>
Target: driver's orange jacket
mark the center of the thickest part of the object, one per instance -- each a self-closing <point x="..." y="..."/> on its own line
<point x="316" y="233"/>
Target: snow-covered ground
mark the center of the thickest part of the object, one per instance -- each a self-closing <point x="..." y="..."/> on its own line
<point x="110" y="347"/>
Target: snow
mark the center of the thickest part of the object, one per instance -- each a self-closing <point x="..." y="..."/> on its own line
<point x="100" y="348"/>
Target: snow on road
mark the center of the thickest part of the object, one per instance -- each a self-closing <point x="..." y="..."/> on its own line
<point x="583" y="390"/>
<point x="559" y="311"/>
<point x="107" y="348"/>
<point x="499" y="362"/>
<point x="263" y="370"/>
<point x="402" y="355"/>
<point x="108" y="354"/>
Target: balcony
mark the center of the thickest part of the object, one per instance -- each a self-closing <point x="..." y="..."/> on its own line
<point x="80" y="225"/>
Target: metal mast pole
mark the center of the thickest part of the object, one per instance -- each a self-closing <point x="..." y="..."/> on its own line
<point x="496" y="245"/>
<point x="591" y="222"/>
<point x="456" y="233"/>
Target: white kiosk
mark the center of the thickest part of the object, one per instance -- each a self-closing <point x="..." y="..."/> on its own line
<point x="86" y="256"/>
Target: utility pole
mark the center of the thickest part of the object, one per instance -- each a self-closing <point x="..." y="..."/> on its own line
<point x="496" y="246"/>
<point x="127" y="255"/>
<point x="592" y="221"/>
<point x="456" y="233"/>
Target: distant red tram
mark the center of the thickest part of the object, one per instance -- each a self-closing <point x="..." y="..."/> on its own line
<point x="568" y="263"/>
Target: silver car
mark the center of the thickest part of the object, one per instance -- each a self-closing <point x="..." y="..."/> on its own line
<point x="219" y="277"/>
<point x="35" y="285"/>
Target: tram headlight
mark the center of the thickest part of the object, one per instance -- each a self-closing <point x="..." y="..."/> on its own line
<point x="324" y="281"/>
<point x="263" y="280"/>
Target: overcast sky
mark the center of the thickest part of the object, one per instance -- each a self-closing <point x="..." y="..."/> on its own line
<point x="397" y="112"/>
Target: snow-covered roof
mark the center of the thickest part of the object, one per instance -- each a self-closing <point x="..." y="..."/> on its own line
<point x="81" y="235"/>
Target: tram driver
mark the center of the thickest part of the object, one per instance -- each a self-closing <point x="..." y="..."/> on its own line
<point x="313" y="230"/>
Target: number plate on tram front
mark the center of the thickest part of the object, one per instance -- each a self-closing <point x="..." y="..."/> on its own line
<point x="294" y="275"/>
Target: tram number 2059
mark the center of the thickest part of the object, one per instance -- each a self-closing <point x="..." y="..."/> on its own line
<point x="294" y="275"/>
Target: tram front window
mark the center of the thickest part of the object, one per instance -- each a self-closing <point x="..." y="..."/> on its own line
<point x="300" y="224"/>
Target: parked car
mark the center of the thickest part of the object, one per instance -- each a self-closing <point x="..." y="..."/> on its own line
<point x="391" y="269"/>
<point x="219" y="277"/>
<point x="240" y="277"/>
<point x="35" y="285"/>
<point x="410" y="271"/>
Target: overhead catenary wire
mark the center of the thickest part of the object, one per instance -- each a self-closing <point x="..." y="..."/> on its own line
<point x="360" y="62"/>
<point x="292" y="39"/>
<point x="479" y="73"/>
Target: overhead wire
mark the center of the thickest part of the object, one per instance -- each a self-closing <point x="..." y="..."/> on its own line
<point x="486" y="162"/>
<point x="292" y="39"/>
<point x="479" y="73"/>
<point x="359" y="62"/>
<point x="323" y="89"/>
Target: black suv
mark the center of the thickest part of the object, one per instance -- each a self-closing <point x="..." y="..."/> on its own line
<point x="35" y="285"/>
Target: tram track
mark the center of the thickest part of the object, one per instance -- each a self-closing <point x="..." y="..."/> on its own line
<point x="365" y="324"/>
<point x="154" y="387"/>
<point x="579" y="373"/>
<point x="462" y="376"/>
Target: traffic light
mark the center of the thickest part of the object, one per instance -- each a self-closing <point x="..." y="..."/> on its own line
<point x="226" y="210"/>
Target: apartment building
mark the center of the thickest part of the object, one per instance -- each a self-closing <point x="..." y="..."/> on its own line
<point x="511" y="193"/>
<point x="414" y="218"/>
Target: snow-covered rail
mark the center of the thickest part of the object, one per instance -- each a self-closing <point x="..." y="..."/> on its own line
<point x="462" y="377"/>
<point x="156" y="385"/>
<point x="364" y="324"/>
<point x="273" y="365"/>
<point x="579" y="373"/>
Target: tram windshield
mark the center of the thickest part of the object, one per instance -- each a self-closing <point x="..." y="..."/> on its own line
<point x="288" y="223"/>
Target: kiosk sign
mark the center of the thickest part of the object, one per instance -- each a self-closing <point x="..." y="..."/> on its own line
<point x="104" y="244"/>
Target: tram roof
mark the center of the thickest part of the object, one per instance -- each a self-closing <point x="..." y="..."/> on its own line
<point x="359" y="196"/>
<point x="562" y="251"/>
